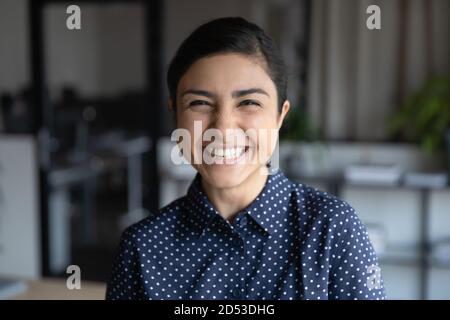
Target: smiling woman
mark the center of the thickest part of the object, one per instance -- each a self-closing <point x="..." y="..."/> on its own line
<point x="243" y="230"/>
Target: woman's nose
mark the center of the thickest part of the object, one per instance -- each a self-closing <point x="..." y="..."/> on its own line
<point x="229" y="129"/>
<point x="223" y="120"/>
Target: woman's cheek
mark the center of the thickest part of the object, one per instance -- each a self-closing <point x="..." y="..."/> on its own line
<point x="259" y="136"/>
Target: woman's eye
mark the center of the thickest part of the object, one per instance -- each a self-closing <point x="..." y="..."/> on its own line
<point x="250" y="103"/>
<point x="199" y="103"/>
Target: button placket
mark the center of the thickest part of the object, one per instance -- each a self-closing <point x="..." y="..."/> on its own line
<point x="237" y="292"/>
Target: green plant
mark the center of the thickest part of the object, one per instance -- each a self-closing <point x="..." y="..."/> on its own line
<point x="298" y="127"/>
<point x="424" y="118"/>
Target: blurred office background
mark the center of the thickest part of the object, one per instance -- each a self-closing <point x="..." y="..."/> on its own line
<point x="85" y="132"/>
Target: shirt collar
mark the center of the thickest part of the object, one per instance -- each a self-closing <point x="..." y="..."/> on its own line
<point x="267" y="210"/>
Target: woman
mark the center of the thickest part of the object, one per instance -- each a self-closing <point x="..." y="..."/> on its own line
<point x="242" y="231"/>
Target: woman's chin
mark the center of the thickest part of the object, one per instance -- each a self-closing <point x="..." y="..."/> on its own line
<point x="223" y="176"/>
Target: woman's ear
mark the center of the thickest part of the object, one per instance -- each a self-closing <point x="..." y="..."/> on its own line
<point x="284" y="110"/>
<point x="170" y="105"/>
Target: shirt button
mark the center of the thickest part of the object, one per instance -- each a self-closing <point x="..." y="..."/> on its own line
<point x="237" y="241"/>
<point x="236" y="293"/>
<point x="243" y="221"/>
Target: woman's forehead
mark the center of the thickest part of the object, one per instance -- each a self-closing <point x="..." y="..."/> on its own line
<point x="226" y="72"/>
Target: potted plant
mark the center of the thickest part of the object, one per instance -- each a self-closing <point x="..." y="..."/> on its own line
<point x="424" y="118"/>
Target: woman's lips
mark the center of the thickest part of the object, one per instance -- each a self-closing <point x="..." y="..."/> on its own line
<point x="227" y="154"/>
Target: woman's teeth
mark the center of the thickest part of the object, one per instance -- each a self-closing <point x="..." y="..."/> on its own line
<point x="228" y="153"/>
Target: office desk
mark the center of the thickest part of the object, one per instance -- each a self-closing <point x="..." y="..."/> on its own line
<point x="55" y="289"/>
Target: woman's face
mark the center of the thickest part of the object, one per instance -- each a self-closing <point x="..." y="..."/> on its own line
<point x="231" y="95"/>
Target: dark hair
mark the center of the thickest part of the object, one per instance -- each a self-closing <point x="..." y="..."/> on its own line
<point x="228" y="35"/>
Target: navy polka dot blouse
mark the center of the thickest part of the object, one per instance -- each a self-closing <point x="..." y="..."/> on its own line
<point x="291" y="242"/>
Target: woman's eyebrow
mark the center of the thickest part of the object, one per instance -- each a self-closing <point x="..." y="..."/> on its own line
<point x="235" y="94"/>
<point x="198" y="92"/>
<point x="241" y="93"/>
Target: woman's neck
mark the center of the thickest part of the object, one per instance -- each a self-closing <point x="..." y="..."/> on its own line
<point x="229" y="201"/>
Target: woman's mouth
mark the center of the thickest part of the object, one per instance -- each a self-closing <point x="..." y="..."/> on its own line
<point x="226" y="155"/>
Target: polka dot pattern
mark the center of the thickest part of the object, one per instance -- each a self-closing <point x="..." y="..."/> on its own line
<point x="291" y="242"/>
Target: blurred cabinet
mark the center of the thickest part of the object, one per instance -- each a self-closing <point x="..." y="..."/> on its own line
<point x="20" y="250"/>
<point x="415" y="257"/>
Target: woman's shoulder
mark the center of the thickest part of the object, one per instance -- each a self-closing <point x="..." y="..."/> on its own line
<point x="320" y="210"/>
<point x="320" y="204"/>
<point x="161" y="219"/>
